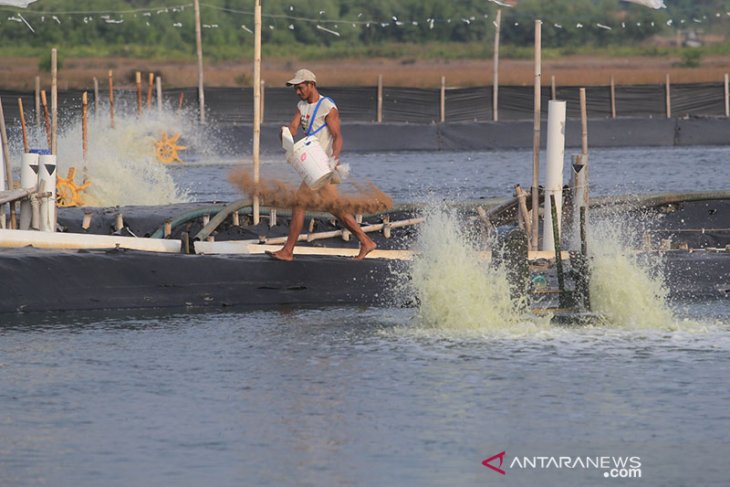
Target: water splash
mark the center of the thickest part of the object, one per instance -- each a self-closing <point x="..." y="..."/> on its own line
<point x="121" y="161"/>
<point x="456" y="288"/>
<point x="627" y="287"/>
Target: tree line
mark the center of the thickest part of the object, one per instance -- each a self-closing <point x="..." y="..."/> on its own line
<point x="123" y="26"/>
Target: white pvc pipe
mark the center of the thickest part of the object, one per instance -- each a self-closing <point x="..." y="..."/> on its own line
<point x="28" y="180"/>
<point x="60" y="240"/>
<point x="554" y="173"/>
<point x="47" y="183"/>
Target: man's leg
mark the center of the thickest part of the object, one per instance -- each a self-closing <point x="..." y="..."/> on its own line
<point x="295" y="228"/>
<point x="366" y="243"/>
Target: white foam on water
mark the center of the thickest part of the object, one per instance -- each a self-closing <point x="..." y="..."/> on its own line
<point x="121" y="161"/>
<point x="456" y="290"/>
<point x="627" y="287"/>
<point x="460" y="294"/>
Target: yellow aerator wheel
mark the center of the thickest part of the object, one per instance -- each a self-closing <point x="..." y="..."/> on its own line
<point x="67" y="192"/>
<point x="166" y="149"/>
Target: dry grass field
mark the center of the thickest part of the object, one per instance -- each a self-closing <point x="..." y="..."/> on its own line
<point x="19" y="73"/>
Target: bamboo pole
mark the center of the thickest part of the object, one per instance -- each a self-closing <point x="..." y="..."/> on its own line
<point x="583" y="176"/>
<point x="584" y="124"/>
<point x="727" y="95"/>
<point x="26" y="146"/>
<point x="523" y="213"/>
<point x="668" y="92"/>
<point x="199" y="47"/>
<point x="379" y="108"/>
<point x="6" y="149"/>
<point x="553" y="89"/>
<point x="38" y="102"/>
<point x="536" y="136"/>
<point x="263" y="99"/>
<point x="613" y="98"/>
<point x="442" y="103"/>
<point x="558" y="253"/>
<point x="96" y="96"/>
<point x="84" y="128"/>
<point x="159" y="94"/>
<point x="138" y="82"/>
<point x="150" y="87"/>
<point x="8" y="167"/>
<point x="54" y="101"/>
<point x="256" y="107"/>
<point x="46" y="117"/>
<point x="495" y="67"/>
<point x="111" y="96"/>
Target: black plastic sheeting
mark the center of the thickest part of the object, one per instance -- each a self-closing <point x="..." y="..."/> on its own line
<point x="46" y="280"/>
<point x="479" y="136"/>
<point x="115" y="279"/>
<point x="412" y="105"/>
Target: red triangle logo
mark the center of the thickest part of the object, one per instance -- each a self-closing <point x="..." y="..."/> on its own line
<point x="487" y="463"/>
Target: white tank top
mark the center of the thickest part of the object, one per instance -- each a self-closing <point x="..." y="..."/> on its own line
<point x="306" y="110"/>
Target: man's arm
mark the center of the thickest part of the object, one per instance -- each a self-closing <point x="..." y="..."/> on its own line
<point x="333" y="124"/>
<point x="296" y="121"/>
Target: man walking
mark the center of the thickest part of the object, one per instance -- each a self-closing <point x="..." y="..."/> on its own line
<point x="318" y="116"/>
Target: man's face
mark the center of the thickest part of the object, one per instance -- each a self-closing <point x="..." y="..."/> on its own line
<point x="303" y="90"/>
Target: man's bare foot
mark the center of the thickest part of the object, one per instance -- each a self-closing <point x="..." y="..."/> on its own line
<point x="280" y="255"/>
<point x="365" y="249"/>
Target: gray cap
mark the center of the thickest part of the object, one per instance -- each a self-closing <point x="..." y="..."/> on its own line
<point x="301" y="76"/>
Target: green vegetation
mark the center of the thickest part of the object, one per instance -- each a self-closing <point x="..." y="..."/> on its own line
<point x="309" y="29"/>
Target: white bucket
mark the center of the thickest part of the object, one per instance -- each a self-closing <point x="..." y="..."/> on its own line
<point x="311" y="162"/>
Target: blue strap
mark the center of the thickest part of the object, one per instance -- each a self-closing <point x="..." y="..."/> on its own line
<point x="314" y="116"/>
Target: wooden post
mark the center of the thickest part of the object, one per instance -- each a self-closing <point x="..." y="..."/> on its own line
<point x="86" y="221"/>
<point x="495" y="67"/>
<point x="38" y="102"/>
<point x="46" y="117"/>
<point x="581" y="194"/>
<point x="96" y="96"/>
<point x="8" y="168"/>
<point x="272" y="217"/>
<point x="199" y="46"/>
<point x="558" y="253"/>
<point x="584" y="124"/>
<point x="54" y="102"/>
<point x="138" y="82"/>
<point x="26" y="146"/>
<point x="159" y="94"/>
<point x="180" y="101"/>
<point x="118" y="222"/>
<point x="256" y="107"/>
<point x="553" y="89"/>
<point x="583" y="234"/>
<point x="263" y="98"/>
<point x="669" y="96"/>
<point x="727" y="95"/>
<point x="111" y="97"/>
<point x="522" y="211"/>
<point x="84" y="128"/>
<point x="443" y="99"/>
<point x="150" y="87"/>
<point x="6" y="149"/>
<point x="536" y="136"/>
<point x="613" y="98"/>
<point x="379" y="108"/>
